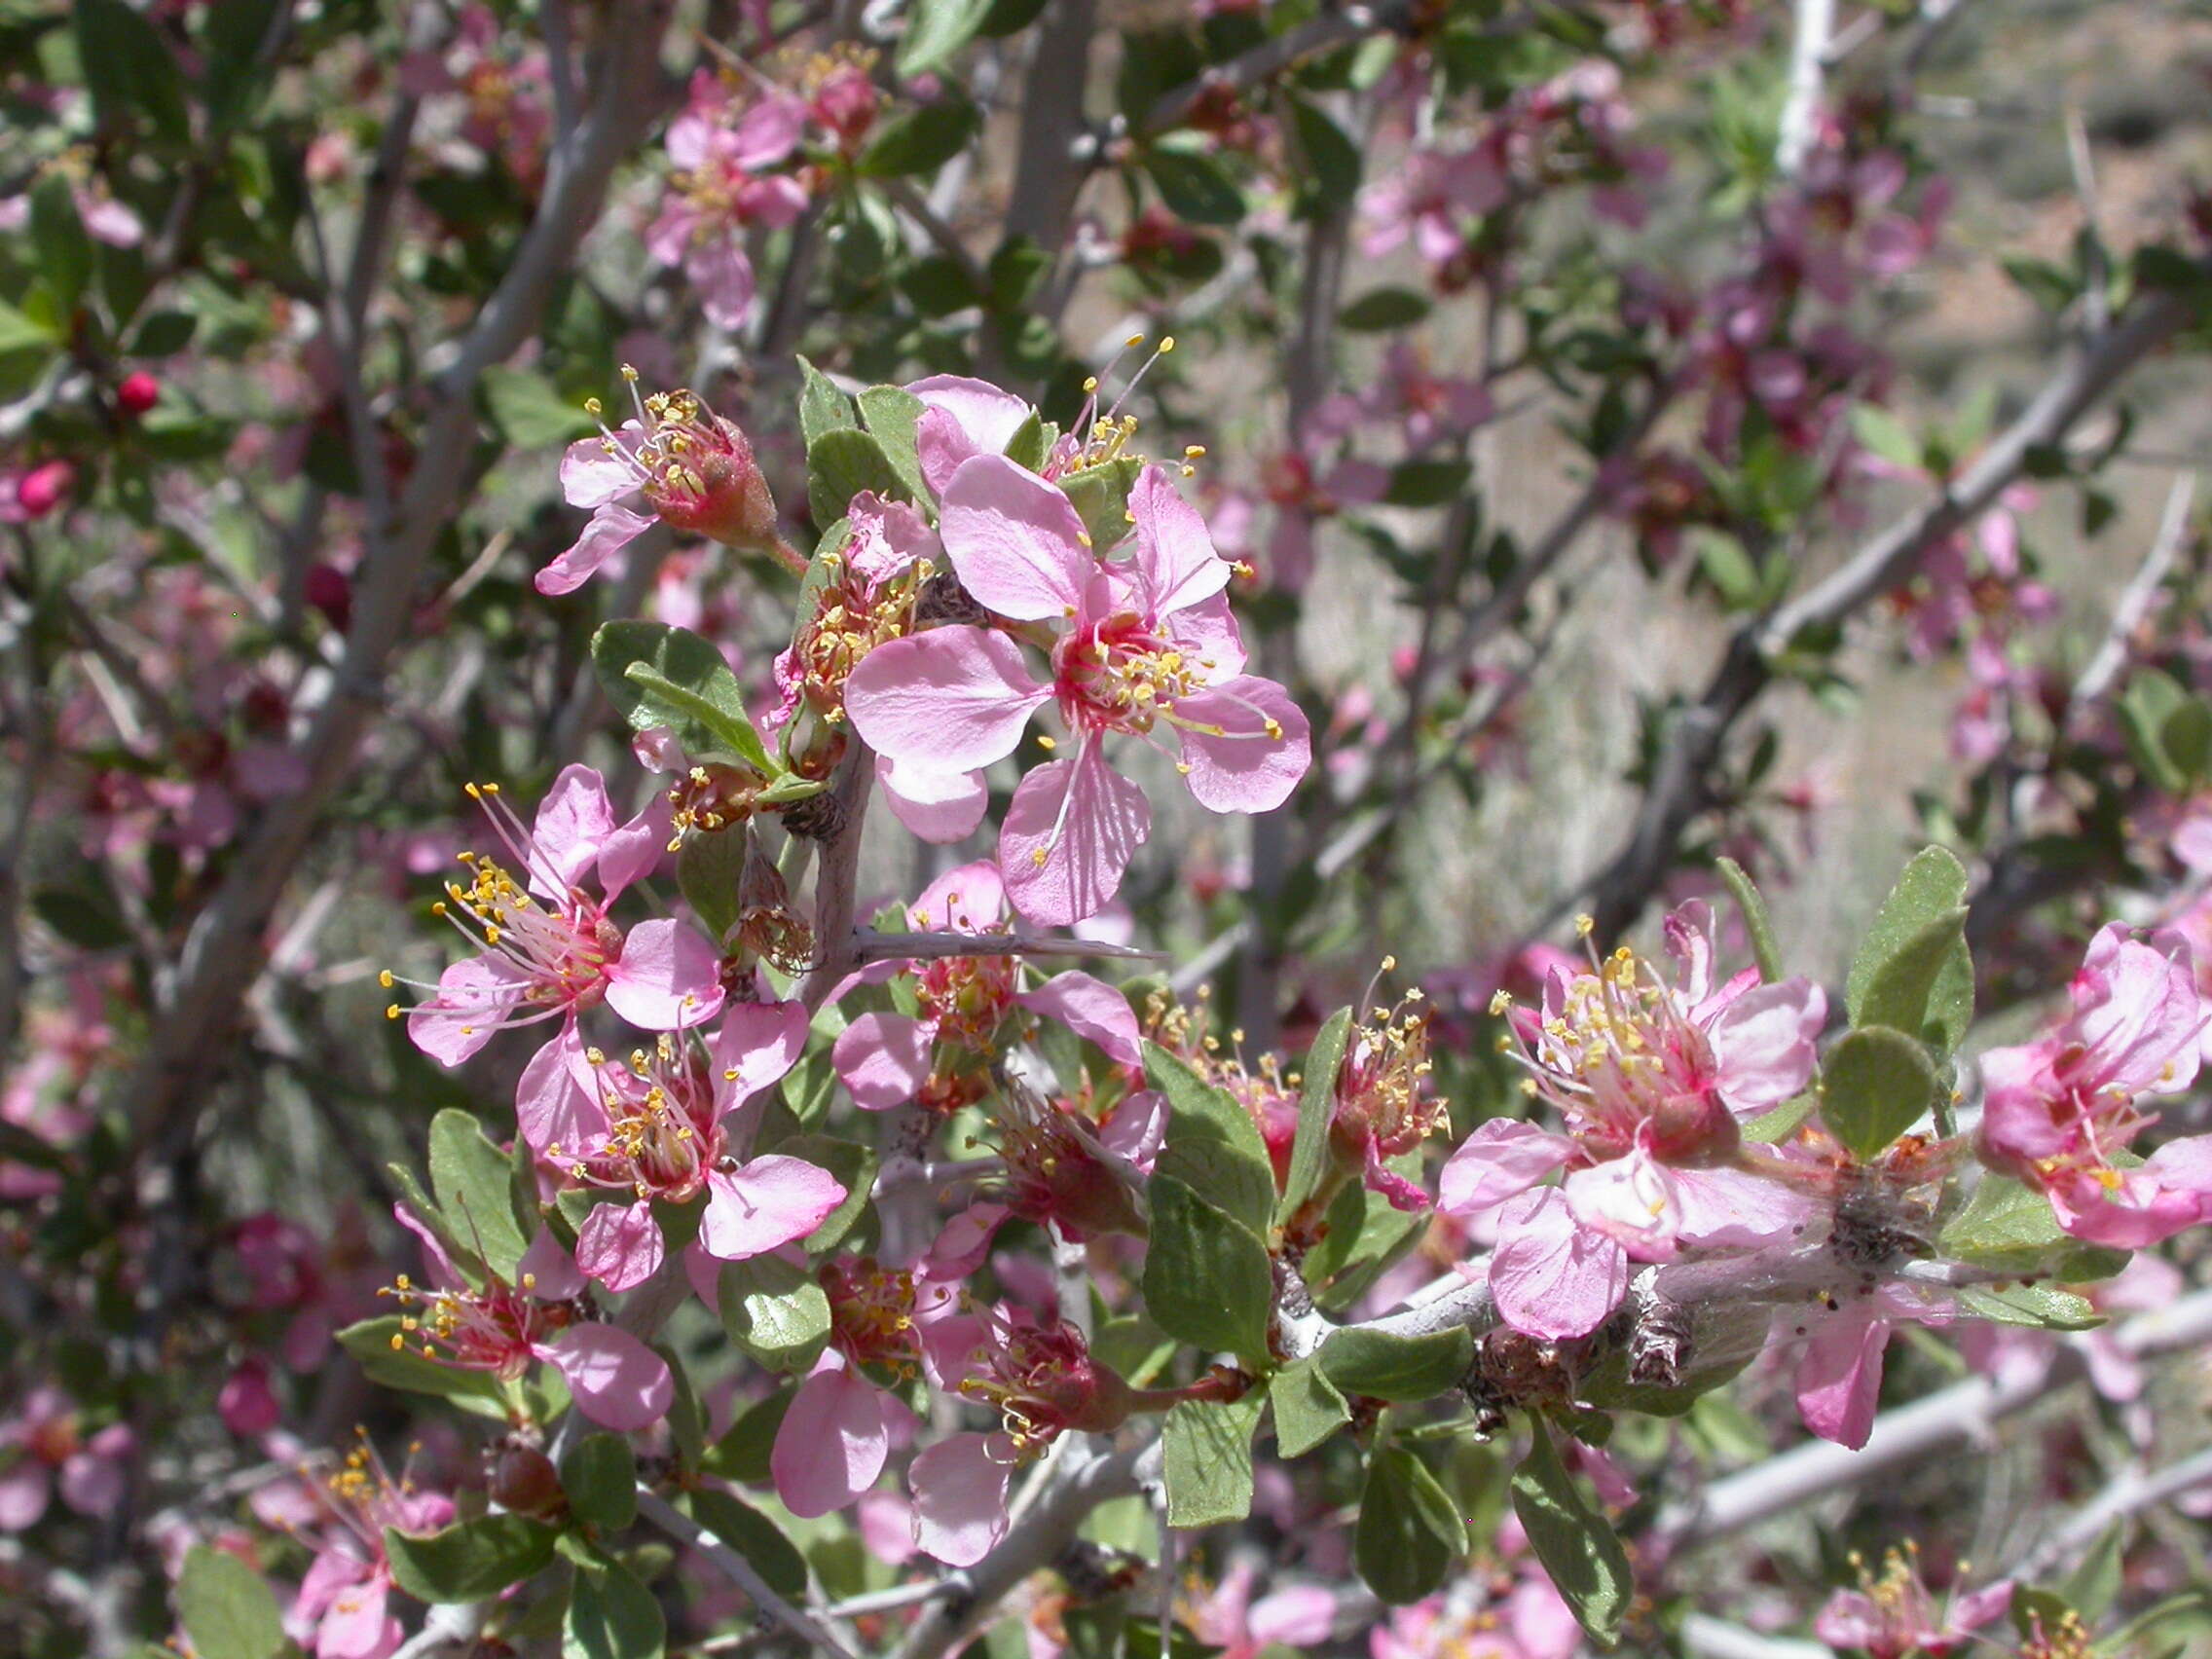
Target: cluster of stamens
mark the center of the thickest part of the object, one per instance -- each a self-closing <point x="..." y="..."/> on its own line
<point x="853" y="614"/>
<point x="492" y="1329"/>
<point x="1619" y="1053"/>
<point x="1382" y="1091"/>
<point x="871" y="1314"/>
<point x="662" y="1138"/>
<point x="708" y="798"/>
<point x="1040" y="1378"/>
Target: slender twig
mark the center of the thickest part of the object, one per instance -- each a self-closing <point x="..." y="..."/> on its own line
<point x="1910" y="1434"/>
<point x="2135" y="602"/>
<point x="737" y="1570"/>
<point x="1808" y="63"/>
<point x="2132" y="1493"/>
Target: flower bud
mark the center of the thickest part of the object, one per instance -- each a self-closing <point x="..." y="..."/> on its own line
<point x="138" y="393"/>
<point x="45" y="487"/>
<point x="246" y="1403"/>
<point x="524" y="1482"/>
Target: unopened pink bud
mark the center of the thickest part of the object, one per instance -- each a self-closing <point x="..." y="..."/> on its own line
<point x="43" y="488"/>
<point x="247" y="1403"/>
<point x="138" y="393"/>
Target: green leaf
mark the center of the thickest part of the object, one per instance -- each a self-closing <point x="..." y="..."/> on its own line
<point x="20" y="333"/>
<point x="1421" y="482"/>
<point x="1212" y="1146"/>
<point x="821" y="407"/>
<point x="2041" y="1306"/>
<point x="63" y="250"/>
<point x="741" y="1453"/>
<point x="1574" y="1540"/>
<point x="1753" y="909"/>
<point x="370" y="1343"/>
<point x="1380" y="311"/>
<point x="774" y="1313"/>
<point x="707" y="871"/>
<point x="529" y="412"/>
<point x="600" y="1477"/>
<point x="1101" y="497"/>
<point x="935" y="29"/>
<point x="890" y="412"/>
<point x="1194" y="184"/>
<point x="1308" y="1407"/>
<point x="1931" y="887"/>
<point x="2094" y="1586"/>
<point x="919" y="140"/>
<point x="2008" y="1225"/>
<point x="1327" y="172"/>
<point x="1925" y="986"/>
<point x="1770" y="1128"/>
<point x="1410" y="1532"/>
<point x="1208" y="1451"/>
<point x="1875" y="1082"/>
<point x="842" y="463"/>
<point x="471" y="1178"/>
<point x="755" y="1537"/>
<point x="1883" y="434"/>
<point x="469" y="1561"/>
<point x="1206" y="1277"/>
<point x="660" y="676"/>
<point x="1316" y="1101"/>
<point x="1390" y="1367"/>
<point x="611" y="1615"/>
<point x="128" y="68"/>
<point x="226" y="1608"/>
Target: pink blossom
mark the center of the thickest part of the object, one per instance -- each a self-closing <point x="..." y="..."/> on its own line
<point x="1299" y="1616"/>
<point x="1893" y="1615"/>
<point x="43" y="1450"/>
<point x="549" y="948"/>
<point x="687" y="466"/>
<point x="1653" y="1079"/>
<point x="343" y="1609"/>
<point x="2057" y="1110"/>
<point x="657" y="1129"/>
<point x="615" y="1380"/>
<point x="719" y="190"/>
<point x="1146" y="640"/>
<point x="834" y="1439"/>
<point x="941" y="1054"/>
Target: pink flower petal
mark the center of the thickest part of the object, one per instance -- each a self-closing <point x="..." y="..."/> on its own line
<point x="572" y="821"/>
<point x="968" y="900"/>
<point x="722" y="278"/>
<point x="618" y="1381"/>
<point x="592" y="475"/>
<point x="1501" y="1157"/>
<point x="884" y="1060"/>
<point x="761" y="1205"/>
<point x="1764" y="1041"/>
<point x="831" y="1444"/>
<point x="960" y="1497"/>
<point x="1018" y="542"/>
<point x="475" y="995"/>
<point x="611" y="529"/>
<point x="1550" y="1278"/>
<point x="1090" y="1008"/>
<point x="1175" y="555"/>
<point x="554" y="1104"/>
<point x="1236" y="764"/>
<point x="962" y="418"/>
<point x="1068" y="837"/>
<point x="936" y="805"/>
<point x="619" y="1244"/>
<point x="759" y="1042"/>
<point x="667" y="977"/>
<point x="949" y="700"/>
<point x="1840" y="1377"/>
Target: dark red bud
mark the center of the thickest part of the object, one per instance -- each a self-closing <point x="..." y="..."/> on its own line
<point x="523" y="1481"/>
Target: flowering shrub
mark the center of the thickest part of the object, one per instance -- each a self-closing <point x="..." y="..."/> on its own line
<point x="1045" y="1054"/>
